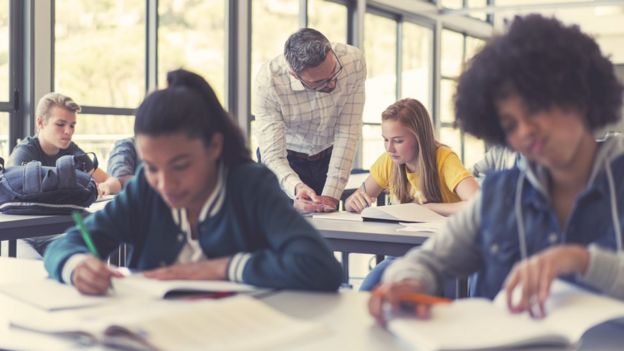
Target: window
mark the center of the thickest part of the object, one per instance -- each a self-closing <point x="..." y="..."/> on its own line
<point x="191" y="35"/>
<point x="456" y="49"/>
<point x="417" y="62"/>
<point x="110" y="128"/>
<point x="380" y="47"/>
<point x="266" y="41"/>
<point x="100" y="51"/>
<point x="329" y="18"/>
<point x="4" y="78"/>
<point x="4" y="50"/>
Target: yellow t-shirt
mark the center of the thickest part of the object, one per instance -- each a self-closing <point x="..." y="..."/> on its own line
<point x="450" y="171"/>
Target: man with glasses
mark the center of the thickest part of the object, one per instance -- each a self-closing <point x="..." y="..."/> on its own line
<point x="308" y="108"/>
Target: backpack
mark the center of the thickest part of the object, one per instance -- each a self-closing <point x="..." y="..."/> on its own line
<point x="33" y="189"/>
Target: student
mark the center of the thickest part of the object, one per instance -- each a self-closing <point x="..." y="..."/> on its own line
<point x="415" y="168"/>
<point x="199" y="208"/>
<point x="541" y="89"/>
<point x="123" y="161"/>
<point x="56" y="123"/>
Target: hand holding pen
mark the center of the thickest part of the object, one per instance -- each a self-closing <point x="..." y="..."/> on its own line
<point x="359" y="200"/>
<point x="405" y="296"/>
<point x="91" y="276"/>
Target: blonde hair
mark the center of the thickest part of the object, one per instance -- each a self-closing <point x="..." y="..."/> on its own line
<point x="50" y="100"/>
<point x="414" y="116"/>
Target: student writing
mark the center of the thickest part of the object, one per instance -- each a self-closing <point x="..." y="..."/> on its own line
<point x="541" y="89"/>
<point x="199" y="208"/>
<point x="415" y="167"/>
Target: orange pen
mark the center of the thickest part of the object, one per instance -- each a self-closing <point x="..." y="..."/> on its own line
<point x="423" y="299"/>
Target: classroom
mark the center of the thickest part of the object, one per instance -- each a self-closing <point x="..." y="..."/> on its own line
<point x="311" y="174"/>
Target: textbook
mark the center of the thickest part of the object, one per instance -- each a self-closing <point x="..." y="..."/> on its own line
<point x="138" y="285"/>
<point x="232" y="324"/>
<point x="408" y="212"/>
<point x="471" y="324"/>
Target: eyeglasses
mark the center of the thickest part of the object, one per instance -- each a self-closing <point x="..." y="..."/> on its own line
<point x="322" y="84"/>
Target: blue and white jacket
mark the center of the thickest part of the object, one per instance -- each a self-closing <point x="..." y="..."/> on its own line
<point x="250" y="219"/>
<point x="512" y="219"/>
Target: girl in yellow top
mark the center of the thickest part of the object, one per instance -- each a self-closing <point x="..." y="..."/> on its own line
<point x="415" y="168"/>
<point x="434" y="177"/>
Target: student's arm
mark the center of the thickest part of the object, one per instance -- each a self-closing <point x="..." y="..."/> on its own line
<point x="363" y="196"/>
<point x="466" y="189"/>
<point x="116" y="223"/>
<point x="348" y="133"/>
<point x="296" y="257"/>
<point x="453" y="252"/>
<point x="271" y="132"/>
<point x="123" y="160"/>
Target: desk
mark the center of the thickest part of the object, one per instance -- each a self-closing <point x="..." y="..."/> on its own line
<point x="345" y="315"/>
<point x="378" y="238"/>
<point x="14" y="227"/>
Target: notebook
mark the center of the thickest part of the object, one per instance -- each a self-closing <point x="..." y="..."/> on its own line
<point x="471" y="324"/>
<point x="408" y="212"/>
<point x="232" y="324"/>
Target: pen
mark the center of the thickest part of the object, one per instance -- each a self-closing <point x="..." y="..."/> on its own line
<point x="423" y="299"/>
<point x="86" y="236"/>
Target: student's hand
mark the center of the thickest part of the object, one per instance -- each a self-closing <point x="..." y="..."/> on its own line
<point x="93" y="277"/>
<point x="110" y="186"/>
<point x="214" y="269"/>
<point x="385" y="298"/>
<point x="358" y="201"/>
<point x="535" y="275"/>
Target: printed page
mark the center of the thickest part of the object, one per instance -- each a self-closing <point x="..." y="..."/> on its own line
<point x="572" y="310"/>
<point x="231" y="324"/>
<point x="410" y="212"/>
<point x="342" y="215"/>
<point x="51" y="295"/>
<point x="137" y="284"/>
<point x="470" y="324"/>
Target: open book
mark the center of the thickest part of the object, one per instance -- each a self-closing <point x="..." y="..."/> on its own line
<point x="139" y="285"/>
<point x="236" y="323"/>
<point x="471" y="324"/>
<point x="408" y="212"/>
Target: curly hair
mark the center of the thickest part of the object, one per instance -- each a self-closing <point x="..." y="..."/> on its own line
<point x="546" y="64"/>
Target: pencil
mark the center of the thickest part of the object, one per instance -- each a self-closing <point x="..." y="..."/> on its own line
<point x="86" y="236"/>
<point x="423" y="299"/>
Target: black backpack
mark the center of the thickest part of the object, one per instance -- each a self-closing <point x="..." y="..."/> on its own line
<point x="34" y="189"/>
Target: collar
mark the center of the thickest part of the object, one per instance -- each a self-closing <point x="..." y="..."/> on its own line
<point x="211" y="207"/>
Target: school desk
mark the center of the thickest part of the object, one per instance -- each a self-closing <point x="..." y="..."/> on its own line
<point x="344" y="314"/>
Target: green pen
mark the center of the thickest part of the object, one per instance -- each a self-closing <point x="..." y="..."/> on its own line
<point x="86" y="236"/>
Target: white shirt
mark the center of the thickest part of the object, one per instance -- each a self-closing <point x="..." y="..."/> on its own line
<point x="289" y="116"/>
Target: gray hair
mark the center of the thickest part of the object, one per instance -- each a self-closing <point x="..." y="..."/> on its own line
<point x="50" y="100"/>
<point x="306" y="48"/>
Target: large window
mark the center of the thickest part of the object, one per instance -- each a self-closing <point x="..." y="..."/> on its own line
<point x="266" y="41"/>
<point x="99" y="60"/>
<point x="456" y="49"/>
<point x="390" y="78"/>
<point x="4" y="78"/>
<point x="100" y="51"/>
<point x="191" y="35"/>
<point x="330" y="18"/>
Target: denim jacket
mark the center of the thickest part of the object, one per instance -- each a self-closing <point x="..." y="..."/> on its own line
<point x="512" y="219"/>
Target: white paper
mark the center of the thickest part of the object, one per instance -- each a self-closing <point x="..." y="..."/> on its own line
<point x="430" y="227"/>
<point x="342" y="216"/>
<point x="409" y="212"/>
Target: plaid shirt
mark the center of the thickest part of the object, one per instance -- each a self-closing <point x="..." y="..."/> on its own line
<point x="289" y="116"/>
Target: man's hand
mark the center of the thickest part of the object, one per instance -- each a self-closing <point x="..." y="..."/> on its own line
<point x="214" y="269"/>
<point x="306" y="200"/>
